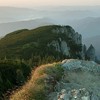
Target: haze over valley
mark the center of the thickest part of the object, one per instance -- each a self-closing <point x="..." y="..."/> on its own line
<point x="84" y="19"/>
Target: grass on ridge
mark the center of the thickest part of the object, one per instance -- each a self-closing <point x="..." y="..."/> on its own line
<point x="36" y="88"/>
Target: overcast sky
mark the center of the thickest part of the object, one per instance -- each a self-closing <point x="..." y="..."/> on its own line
<point x="30" y="3"/>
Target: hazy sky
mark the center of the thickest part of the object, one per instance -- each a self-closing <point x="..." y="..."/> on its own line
<point x="30" y="3"/>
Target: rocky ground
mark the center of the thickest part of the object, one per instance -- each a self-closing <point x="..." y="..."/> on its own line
<point x="80" y="81"/>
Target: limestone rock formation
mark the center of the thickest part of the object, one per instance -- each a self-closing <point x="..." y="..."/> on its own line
<point x="70" y="32"/>
<point x="81" y="81"/>
<point x="61" y="47"/>
<point x="64" y="48"/>
<point x="68" y="40"/>
<point x="55" y="44"/>
<point x="64" y="45"/>
<point x="90" y="54"/>
<point x="72" y="64"/>
<point x="75" y="94"/>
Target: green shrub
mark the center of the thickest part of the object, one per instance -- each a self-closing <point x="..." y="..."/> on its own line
<point x="12" y="73"/>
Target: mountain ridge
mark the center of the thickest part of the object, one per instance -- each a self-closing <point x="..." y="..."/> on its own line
<point x="53" y="40"/>
<point x="63" y="40"/>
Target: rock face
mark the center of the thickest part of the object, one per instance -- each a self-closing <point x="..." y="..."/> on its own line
<point x="64" y="48"/>
<point x="67" y="40"/>
<point x="90" y="54"/>
<point x="55" y="44"/>
<point x="81" y="81"/>
<point x="73" y="64"/>
<point x="71" y="40"/>
<point x="61" y="47"/>
<point x="70" y="32"/>
<point x="84" y="76"/>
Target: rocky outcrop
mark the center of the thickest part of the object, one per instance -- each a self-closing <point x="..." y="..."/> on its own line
<point x="71" y="35"/>
<point x="55" y="44"/>
<point x="83" y="74"/>
<point x="61" y="47"/>
<point x="67" y="40"/>
<point x="80" y="81"/>
<point x="77" y="39"/>
<point x="70" y="32"/>
<point x="90" y="54"/>
<point x="64" y="48"/>
<point x="75" y="94"/>
<point x="73" y="64"/>
<point x="69" y="43"/>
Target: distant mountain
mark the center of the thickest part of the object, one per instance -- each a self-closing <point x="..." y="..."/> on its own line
<point x="96" y="43"/>
<point x="28" y="24"/>
<point x="12" y="14"/>
<point x="88" y="27"/>
<point x="85" y="19"/>
<point x="60" y="14"/>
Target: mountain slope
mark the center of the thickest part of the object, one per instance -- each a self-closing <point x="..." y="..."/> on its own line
<point x="54" y="40"/>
